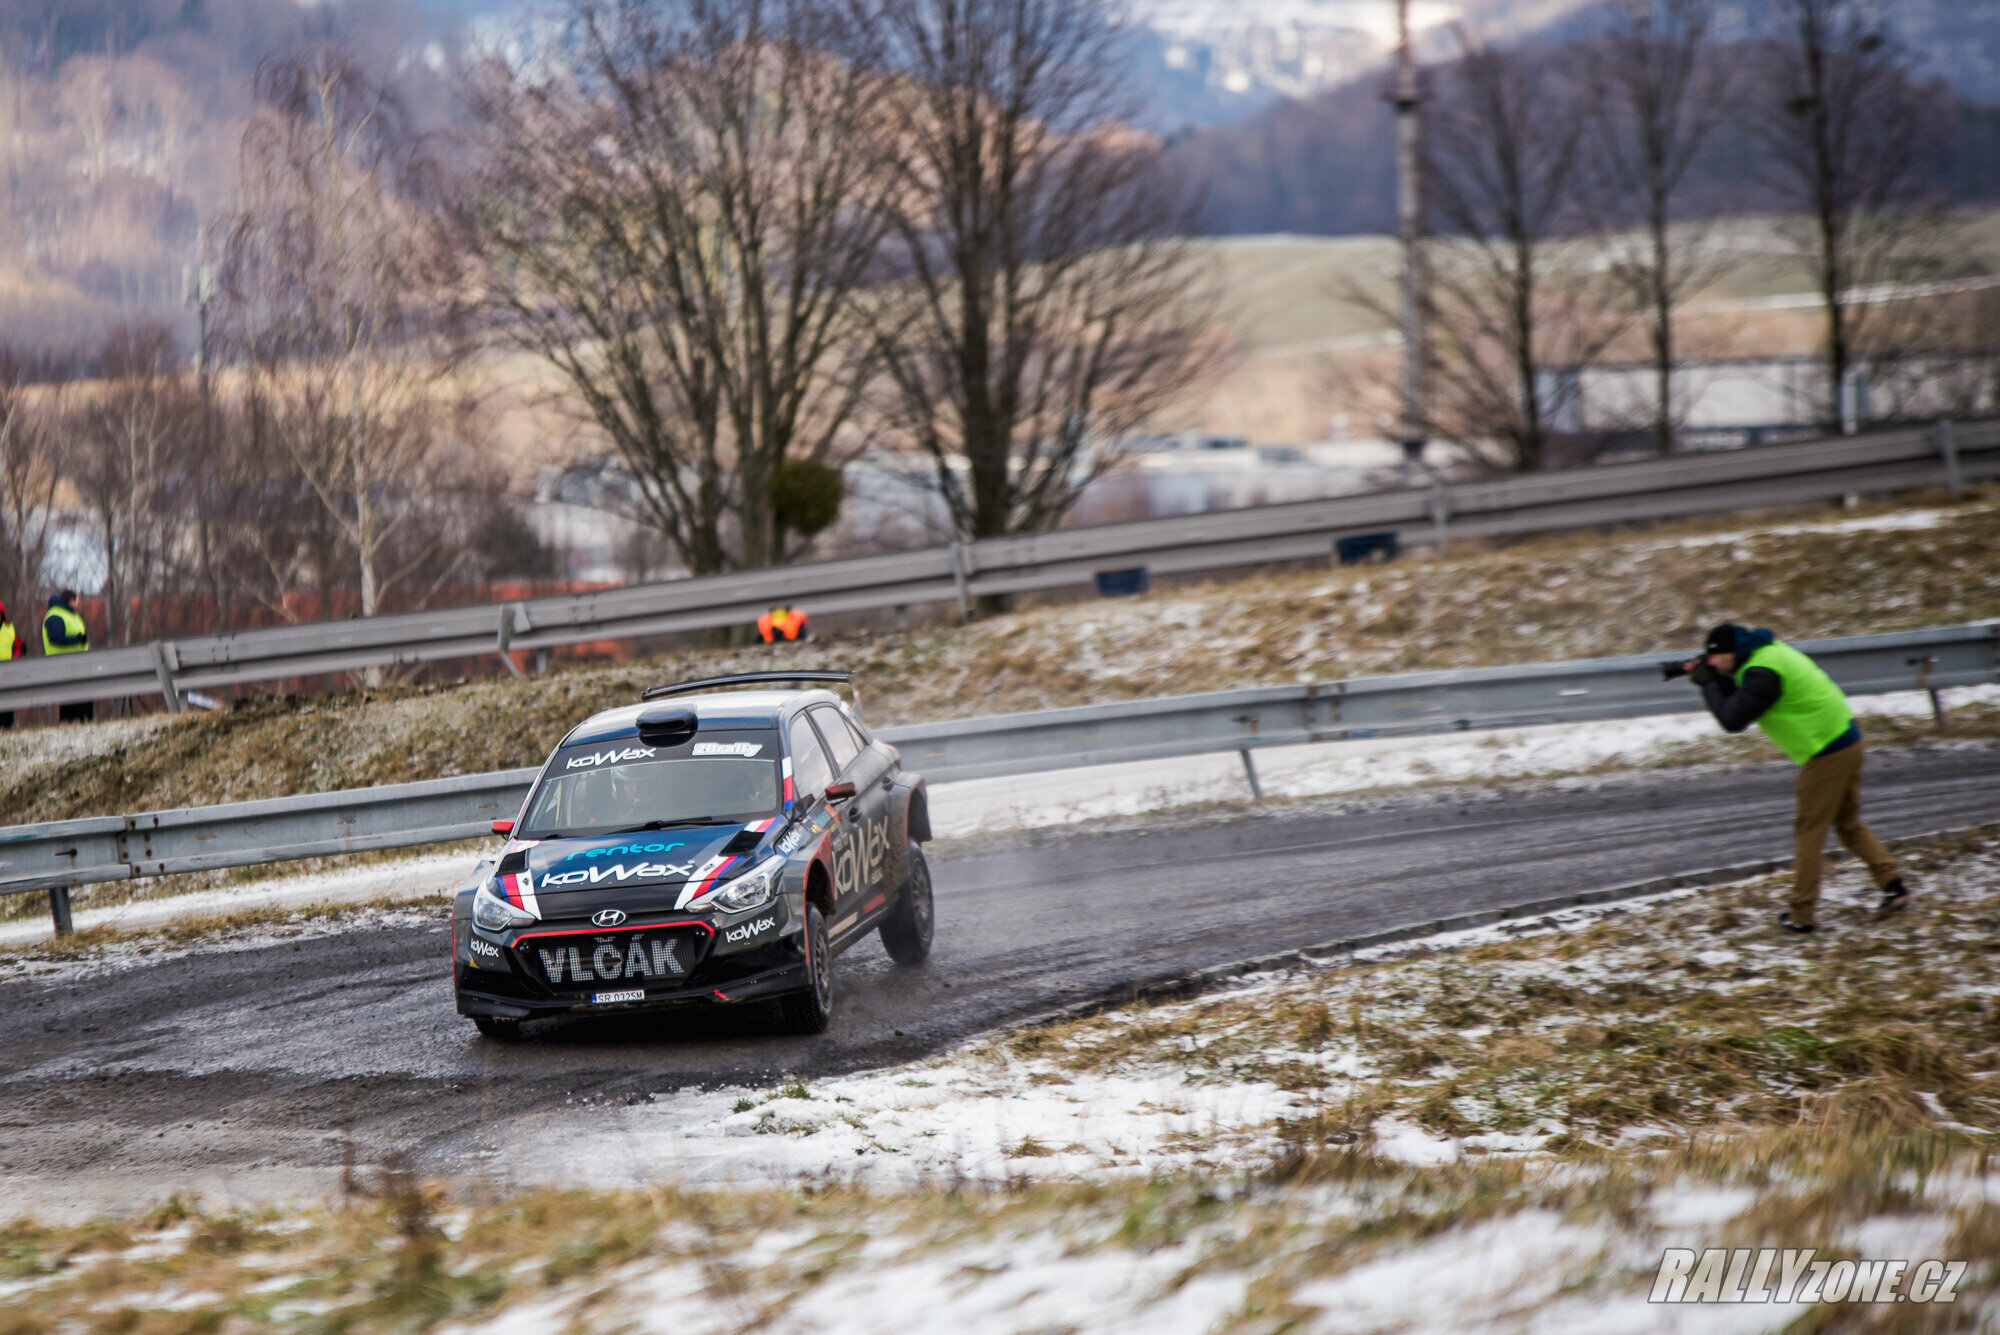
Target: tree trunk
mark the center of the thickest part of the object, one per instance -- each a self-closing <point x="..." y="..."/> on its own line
<point x="1532" y="443"/>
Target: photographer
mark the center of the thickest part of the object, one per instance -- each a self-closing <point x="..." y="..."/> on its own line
<point x="1748" y="676"/>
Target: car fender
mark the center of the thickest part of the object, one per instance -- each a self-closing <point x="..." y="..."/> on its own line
<point x="909" y="818"/>
<point x="816" y="852"/>
<point x="909" y="803"/>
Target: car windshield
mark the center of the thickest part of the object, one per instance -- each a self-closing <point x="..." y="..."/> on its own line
<point x="607" y="788"/>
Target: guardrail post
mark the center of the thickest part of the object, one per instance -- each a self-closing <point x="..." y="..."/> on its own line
<point x="1947" y="447"/>
<point x="506" y="638"/>
<point x="958" y="563"/>
<point x="1440" y="512"/>
<point x="59" y="910"/>
<point x="165" y="673"/>
<point x="1923" y="665"/>
<point x="1250" y="773"/>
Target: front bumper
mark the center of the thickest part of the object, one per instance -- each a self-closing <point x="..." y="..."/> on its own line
<point x="740" y="958"/>
<point x="769" y="983"/>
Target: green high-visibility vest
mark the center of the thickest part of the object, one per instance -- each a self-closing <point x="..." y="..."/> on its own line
<point x="1811" y="711"/>
<point x="71" y="623"/>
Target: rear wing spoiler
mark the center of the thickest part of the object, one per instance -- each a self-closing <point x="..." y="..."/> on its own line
<point x="755" y="679"/>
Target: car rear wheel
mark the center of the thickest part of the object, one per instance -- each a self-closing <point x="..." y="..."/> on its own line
<point x="811" y="1011"/>
<point x="906" y="932"/>
<point x="498" y="1027"/>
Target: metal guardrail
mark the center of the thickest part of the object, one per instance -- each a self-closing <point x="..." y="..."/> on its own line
<point x="1945" y="456"/>
<point x="61" y="854"/>
<point x="1465" y="699"/>
<point x="58" y="854"/>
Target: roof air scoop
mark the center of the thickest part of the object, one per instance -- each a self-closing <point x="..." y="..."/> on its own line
<point x="666" y="725"/>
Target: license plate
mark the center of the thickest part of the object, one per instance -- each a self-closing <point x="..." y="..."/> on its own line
<point x="620" y="960"/>
<point x="605" y="998"/>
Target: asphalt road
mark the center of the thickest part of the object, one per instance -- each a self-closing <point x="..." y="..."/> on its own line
<point x="235" y="1067"/>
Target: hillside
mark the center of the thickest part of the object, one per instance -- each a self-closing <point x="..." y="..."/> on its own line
<point x="1806" y="575"/>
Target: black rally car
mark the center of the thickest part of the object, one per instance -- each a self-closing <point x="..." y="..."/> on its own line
<point x="713" y="844"/>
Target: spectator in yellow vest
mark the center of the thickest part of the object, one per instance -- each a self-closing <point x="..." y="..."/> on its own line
<point x="11" y="648"/>
<point x="63" y="632"/>
<point x="1750" y="676"/>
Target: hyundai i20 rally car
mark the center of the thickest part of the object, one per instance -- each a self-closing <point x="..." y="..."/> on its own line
<point x="710" y="845"/>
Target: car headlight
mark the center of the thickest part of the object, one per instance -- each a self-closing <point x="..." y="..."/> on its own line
<point x="496" y="914"/>
<point x="753" y="889"/>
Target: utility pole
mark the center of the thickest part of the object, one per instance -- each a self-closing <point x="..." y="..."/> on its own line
<point x="1407" y="95"/>
<point x="198" y="290"/>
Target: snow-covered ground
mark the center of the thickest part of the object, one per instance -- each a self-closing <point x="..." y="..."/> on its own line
<point x="1070" y="797"/>
<point x="1888" y="523"/>
<point x="978" y="1115"/>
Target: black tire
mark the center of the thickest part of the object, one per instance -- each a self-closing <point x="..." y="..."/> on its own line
<point x="811" y="1011"/>
<point x="906" y="932"/>
<point x="498" y="1027"/>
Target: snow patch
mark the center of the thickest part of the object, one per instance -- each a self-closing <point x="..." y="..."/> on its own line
<point x="977" y="1115"/>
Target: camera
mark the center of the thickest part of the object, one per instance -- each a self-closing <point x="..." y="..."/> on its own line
<point x="1669" y="671"/>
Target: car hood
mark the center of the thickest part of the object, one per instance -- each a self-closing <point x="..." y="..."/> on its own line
<point x="640" y="872"/>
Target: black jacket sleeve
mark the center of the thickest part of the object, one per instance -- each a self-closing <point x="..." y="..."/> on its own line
<point x="1736" y="706"/>
<point x="58" y="632"/>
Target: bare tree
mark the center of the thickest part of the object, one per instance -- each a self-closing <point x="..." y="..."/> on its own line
<point x="333" y="287"/>
<point x="267" y="545"/>
<point x="1847" y="134"/>
<point x="134" y="433"/>
<point x="682" y="204"/>
<point x="1511" y="308"/>
<point x="1045" y="305"/>
<point x="1661" y="93"/>
<point x="31" y="401"/>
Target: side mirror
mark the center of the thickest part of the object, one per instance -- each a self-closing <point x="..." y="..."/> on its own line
<point x="841" y="791"/>
<point x="503" y="827"/>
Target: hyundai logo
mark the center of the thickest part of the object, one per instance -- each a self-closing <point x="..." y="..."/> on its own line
<point x="608" y="917"/>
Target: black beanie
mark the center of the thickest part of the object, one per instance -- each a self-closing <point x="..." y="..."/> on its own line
<point x="1723" y="639"/>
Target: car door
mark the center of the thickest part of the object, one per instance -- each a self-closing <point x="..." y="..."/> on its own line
<point x="866" y="814"/>
<point x="811" y="773"/>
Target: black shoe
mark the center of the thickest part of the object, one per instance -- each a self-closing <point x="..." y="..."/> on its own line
<point x="1785" y="921"/>
<point x="1894" y="896"/>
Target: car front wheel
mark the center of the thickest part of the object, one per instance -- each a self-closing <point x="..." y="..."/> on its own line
<point x="811" y="1011"/>
<point x="498" y="1027"/>
<point x="906" y="932"/>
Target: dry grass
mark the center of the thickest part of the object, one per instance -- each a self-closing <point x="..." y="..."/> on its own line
<point x="1653" y="1024"/>
<point x="195" y="930"/>
<point x="401" y="1255"/>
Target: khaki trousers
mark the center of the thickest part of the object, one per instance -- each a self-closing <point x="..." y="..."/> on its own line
<point x="1830" y="794"/>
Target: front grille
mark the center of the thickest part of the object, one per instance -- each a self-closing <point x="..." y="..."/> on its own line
<point x="588" y="961"/>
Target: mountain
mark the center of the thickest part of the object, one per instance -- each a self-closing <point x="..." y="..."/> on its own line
<point x="1208" y="63"/>
<point x="1323" y="164"/>
<point x="1204" y="63"/>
